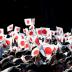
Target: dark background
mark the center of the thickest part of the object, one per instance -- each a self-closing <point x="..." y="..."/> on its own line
<point x="48" y="13"/>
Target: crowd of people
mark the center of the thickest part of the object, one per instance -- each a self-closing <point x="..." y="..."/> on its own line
<point x="12" y="61"/>
<point x="56" y="57"/>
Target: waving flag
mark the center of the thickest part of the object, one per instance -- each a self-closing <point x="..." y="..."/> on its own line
<point x="35" y="52"/>
<point x="10" y="27"/>
<point x="17" y="29"/>
<point x="21" y="43"/>
<point x="8" y="41"/>
<point x="39" y="31"/>
<point x="32" y="33"/>
<point x="27" y="45"/>
<point x="28" y="21"/>
<point x="48" y="49"/>
<point x="44" y="31"/>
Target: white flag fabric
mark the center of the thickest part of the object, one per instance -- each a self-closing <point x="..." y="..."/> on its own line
<point x="44" y="31"/>
<point x="10" y="27"/>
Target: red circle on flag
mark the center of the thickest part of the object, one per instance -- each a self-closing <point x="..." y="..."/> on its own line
<point x="44" y="31"/>
<point x="48" y="50"/>
<point x="27" y="21"/>
<point x="1" y="37"/>
<point x="26" y="45"/>
<point x="37" y="41"/>
<point x="40" y="32"/>
<point x="36" y="52"/>
<point x="22" y="43"/>
<point x="8" y="42"/>
<point x="31" y="33"/>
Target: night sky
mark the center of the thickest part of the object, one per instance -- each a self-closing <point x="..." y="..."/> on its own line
<point x="48" y="13"/>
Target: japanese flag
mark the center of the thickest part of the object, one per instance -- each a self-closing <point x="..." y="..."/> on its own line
<point x="1" y="31"/>
<point x="39" y="31"/>
<point x="35" y="52"/>
<point x="21" y="43"/>
<point x="28" y="21"/>
<point x="48" y="49"/>
<point x="8" y="41"/>
<point x="10" y="27"/>
<point x="44" y="31"/>
<point x="17" y="29"/>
